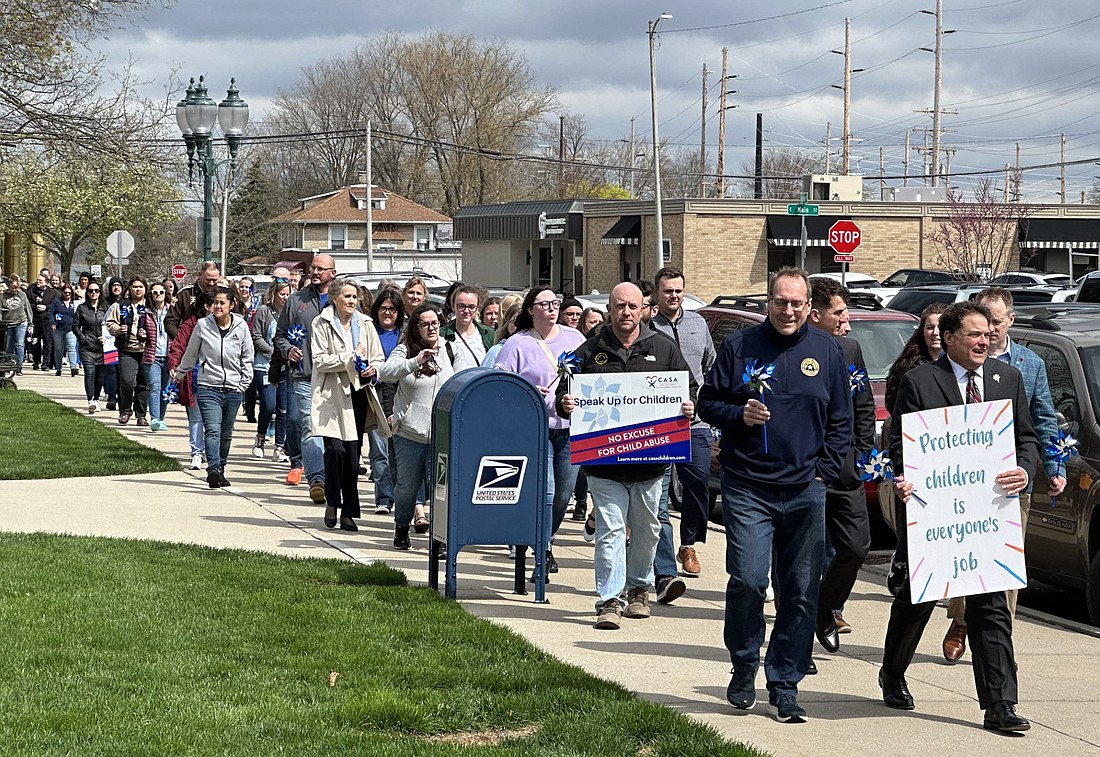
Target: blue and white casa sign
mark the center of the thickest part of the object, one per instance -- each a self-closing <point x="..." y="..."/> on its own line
<point x="629" y="418"/>
<point x="965" y="533"/>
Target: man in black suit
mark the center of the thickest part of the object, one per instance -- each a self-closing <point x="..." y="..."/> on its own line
<point x="846" y="521"/>
<point x="960" y="375"/>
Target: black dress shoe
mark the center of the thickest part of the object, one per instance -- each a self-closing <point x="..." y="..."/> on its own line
<point x="330" y="517"/>
<point x="551" y="563"/>
<point x="213" y="480"/>
<point x="811" y="669"/>
<point x="347" y="524"/>
<point x="1002" y="717"/>
<point x="826" y="631"/>
<point x="895" y="692"/>
<point x="223" y="480"/>
<point x="401" y="537"/>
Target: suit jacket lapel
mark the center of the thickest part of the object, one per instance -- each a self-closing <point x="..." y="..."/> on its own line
<point x="945" y="377"/>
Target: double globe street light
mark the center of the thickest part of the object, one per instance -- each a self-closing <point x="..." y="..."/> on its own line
<point x="195" y="116"/>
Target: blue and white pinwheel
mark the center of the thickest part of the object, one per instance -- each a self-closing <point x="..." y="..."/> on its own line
<point x="756" y="378"/>
<point x="875" y="466"/>
<point x="568" y="365"/>
<point x="171" y="393"/>
<point x="296" y="335"/>
<point x="1061" y="448"/>
<point x="361" y="364"/>
<point x="124" y="312"/>
<point x="857" y="379"/>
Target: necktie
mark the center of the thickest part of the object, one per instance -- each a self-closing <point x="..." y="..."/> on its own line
<point x="972" y="393"/>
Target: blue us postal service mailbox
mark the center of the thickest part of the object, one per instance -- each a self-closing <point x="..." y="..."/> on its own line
<point x="490" y="459"/>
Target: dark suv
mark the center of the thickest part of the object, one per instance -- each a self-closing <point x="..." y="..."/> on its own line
<point x="1063" y="540"/>
<point x="881" y="333"/>
<point x="907" y="277"/>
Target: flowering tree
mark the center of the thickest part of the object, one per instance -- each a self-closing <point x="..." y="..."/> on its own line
<point x="979" y="238"/>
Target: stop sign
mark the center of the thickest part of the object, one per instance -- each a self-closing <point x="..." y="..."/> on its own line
<point x="179" y="271"/>
<point x="844" y="236"/>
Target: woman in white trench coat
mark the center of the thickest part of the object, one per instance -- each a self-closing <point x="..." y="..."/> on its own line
<point x="346" y="356"/>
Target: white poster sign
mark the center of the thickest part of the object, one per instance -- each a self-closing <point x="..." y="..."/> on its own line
<point x="965" y="534"/>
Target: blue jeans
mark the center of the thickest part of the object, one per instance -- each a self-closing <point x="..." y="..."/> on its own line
<point x="110" y="381"/>
<point x="694" y="504"/>
<point x="414" y="470"/>
<point x="561" y="477"/>
<point x="792" y="522"/>
<point x="218" y="410"/>
<point x="619" y="506"/>
<point x="196" y="434"/>
<point x="305" y="450"/>
<point x="155" y="374"/>
<point x="16" y="342"/>
<point x="272" y="402"/>
<point x="93" y="380"/>
<point x="380" y="468"/>
<point x="64" y="342"/>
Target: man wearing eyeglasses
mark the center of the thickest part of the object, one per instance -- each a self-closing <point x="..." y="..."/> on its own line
<point x="466" y="340"/>
<point x="306" y="450"/>
<point x="781" y="446"/>
<point x="184" y="306"/>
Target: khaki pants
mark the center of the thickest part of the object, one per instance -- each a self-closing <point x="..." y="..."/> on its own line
<point x="956" y="609"/>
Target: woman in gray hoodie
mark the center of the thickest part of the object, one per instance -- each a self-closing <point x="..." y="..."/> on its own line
<point x="419" y="368"/>
<point x="221" y="345"/>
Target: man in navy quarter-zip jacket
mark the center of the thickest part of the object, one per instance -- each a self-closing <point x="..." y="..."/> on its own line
<point x="780" y="449"/>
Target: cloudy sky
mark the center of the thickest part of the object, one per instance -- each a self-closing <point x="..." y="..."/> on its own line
<point x="1016" y="71"/>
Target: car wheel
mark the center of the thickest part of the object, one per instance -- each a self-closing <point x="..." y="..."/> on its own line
<point x="1092" y="591"/>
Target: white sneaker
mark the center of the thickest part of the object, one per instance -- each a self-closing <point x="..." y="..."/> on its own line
<point x="196" y="463"/>
<point x="93" y="406"/>
<point x="258" y="452"/>
<point x="279" y="455"/>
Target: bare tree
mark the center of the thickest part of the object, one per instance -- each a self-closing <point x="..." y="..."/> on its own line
<point x="979" y="238"/>
<point x="782" y="171"/>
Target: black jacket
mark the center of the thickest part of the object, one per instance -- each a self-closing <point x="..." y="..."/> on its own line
<point x="88" y="327"/>
<point x="863" y="409"/>
<point x="604" y="353"/>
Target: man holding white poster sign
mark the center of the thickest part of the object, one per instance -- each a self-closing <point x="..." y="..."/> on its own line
<point x="625" y="449"/>
<point x="962" y="474"/>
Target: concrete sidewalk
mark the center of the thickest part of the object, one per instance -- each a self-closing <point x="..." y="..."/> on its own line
<point x="676" y="657"/>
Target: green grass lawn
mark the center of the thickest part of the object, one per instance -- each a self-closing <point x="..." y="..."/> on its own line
<point x="115" y="647"/>
<point x="42" y="439"/>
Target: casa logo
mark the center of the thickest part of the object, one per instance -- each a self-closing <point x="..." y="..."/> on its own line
<point x="499" y="480"/>
<point x="662" y="382"/>
<point x="600" y="359"/>
<point x="811" y="367"/>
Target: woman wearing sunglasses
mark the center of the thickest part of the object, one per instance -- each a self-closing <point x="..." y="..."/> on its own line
<point x="155" y="357"/>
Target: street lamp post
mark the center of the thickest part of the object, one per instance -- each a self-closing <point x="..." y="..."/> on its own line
<point x="656" y="142"/>
<point x="195" y="116"/>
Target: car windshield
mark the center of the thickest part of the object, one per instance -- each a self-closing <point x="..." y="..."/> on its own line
<point x="1059" y="280"/>
<point x="897" y="279"/>
<point x="881" y="341"/>
<point x="916" y="300"/>
<point x="1090" y="359"/>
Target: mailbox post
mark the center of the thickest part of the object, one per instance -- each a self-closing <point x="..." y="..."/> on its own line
<point x="489" y="473"/>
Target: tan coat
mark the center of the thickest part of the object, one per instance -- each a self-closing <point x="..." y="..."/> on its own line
<point x="334" y="376"/>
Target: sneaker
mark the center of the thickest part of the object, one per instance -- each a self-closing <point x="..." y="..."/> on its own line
<point x="784" y="707"/>
<point x="279" y="455"/>
<point x="158" y="425"/>
<point x="112" y="405"/>
<point x="317" y="492"/>
<point x="213" y="479"/>
<point x="92" y="407"/>
<point x="258" y="451"/>
<point x="383" y="509"/>
<point x="669" y="589"/>
<point x="741" y="691"/>
<point x="637" y="603"/>
<point x="294" y="476"/>
<point x="580" y="513"/>
<point x="842" y="626"/>
<point x="196" y="462"/>
<point x="511" y="551"/>
<point x="608" y="617"/>
<point x="590" y="528"/>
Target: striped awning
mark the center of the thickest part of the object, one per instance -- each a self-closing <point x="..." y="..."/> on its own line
<point x="1048" y="244"/>
<point x="626" y="231"/>
<point x="1059" y="233"/>
<point x="786" y="231"/>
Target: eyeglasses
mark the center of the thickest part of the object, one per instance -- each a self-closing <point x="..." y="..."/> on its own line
<point x="158" y="291"/>
<point x="319" y="269"/>
<point x="387" y="309"/>
<point x="93" y="291"/>
<point x="465" y="307"/>
<point x="429" y="325"/>
<point x="549" y="304"/>
<point x="782" y="305"/>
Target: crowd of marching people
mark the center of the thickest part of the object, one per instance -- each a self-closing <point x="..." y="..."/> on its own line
<point x="338" y="381"/>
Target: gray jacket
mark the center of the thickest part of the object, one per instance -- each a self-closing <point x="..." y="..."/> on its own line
<point x="224" y="362"/>
<point x="692" y="336"/>
<point x="302" y="307"/>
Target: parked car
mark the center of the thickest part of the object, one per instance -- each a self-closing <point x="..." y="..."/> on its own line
<point x="1063" y="537"/>
<point x="881" y="333"/>
<point x="371" y="279"/>
<point x="907" y="277"/>
<point x="1031" y="278"/>
<point x="915" y="299"/>
<point x="600" y="300"/>
<point x="861" y="282"/>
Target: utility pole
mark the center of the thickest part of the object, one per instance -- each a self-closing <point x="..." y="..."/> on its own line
<point x="721" y="165"/>
<point x="561" y="157"/>
<point x="847" y="94"/>
<point x="758" y="180"/>
<point x="1008" y="173"/>
<point x="1017" y="176"/>
<point x="703" y="137"/>
<point x="905" y="161"/>
<point x="828" y="144"/>
<point x="936" y="93"/>
<point x="370" y="210"/>
<point x="1063" y="192"/>
<point x="633" y="157"/>
<point x="948" y="151"/>
<point x="881" y="174"/>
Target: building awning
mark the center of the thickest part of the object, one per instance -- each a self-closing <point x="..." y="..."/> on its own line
<point x="627" y="230"/>
<point x="786" y="231"/>
<point x="290" y="265"/>
<point x="1064" y="233"/>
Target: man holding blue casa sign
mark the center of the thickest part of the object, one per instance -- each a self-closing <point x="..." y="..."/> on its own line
<point x="626" y="494"/>
<point x="961" y="376"/>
